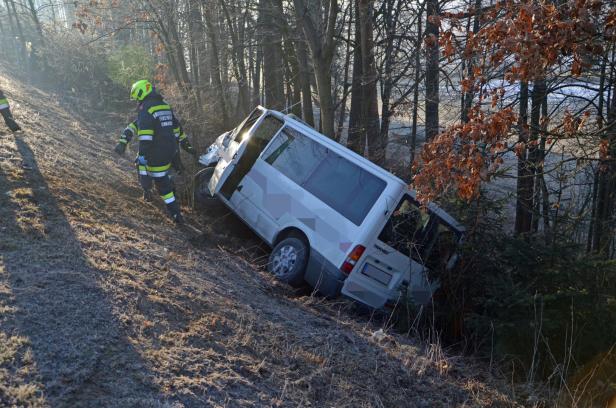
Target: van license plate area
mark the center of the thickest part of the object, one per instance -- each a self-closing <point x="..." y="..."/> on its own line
<point x="377" y="274"/>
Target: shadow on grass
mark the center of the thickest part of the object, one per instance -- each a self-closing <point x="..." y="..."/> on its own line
<point x="82" y="356"/>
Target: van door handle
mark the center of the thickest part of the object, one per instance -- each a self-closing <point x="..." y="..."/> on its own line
<point x="240" y="187"/>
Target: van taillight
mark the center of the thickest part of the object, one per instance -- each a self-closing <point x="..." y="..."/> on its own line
<point x="351" y="260"/>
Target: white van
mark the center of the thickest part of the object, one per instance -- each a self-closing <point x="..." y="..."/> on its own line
<point x="334" y="219"/>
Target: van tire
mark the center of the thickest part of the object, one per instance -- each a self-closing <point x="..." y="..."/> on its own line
<point x="201" y="194"/>
<point x="288" y="261"/>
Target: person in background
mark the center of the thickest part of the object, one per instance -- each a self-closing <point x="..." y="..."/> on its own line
<point x="5" y="111"/>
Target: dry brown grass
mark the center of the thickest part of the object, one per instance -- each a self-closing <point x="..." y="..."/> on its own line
<point x="105" y="303"/>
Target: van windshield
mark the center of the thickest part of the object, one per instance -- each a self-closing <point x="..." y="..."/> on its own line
<point x="420" y="234"/>
<point x="339" y="183"/>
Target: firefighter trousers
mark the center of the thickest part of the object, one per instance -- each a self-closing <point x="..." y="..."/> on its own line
<point x="155" y="172"/>
<point x="8" y="119"/>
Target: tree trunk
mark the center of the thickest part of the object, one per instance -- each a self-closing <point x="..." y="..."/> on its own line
<point x="326" y="98"/>
<point x="239" y="65"/>
<point x="534" y="152"/>
<point x="256" y="77"/>
<point x="178" y="53"/>
<point x="319" y="26"/>
<point x="600" y="123"/>
<point x="542" y="186"/>
<point x="370" y="106"/>
<point x="467" y="97"/>
<point x="273" y="67"/>
<point x="12" y="27"/>
<point x="356" y="141"/>
<point x="524" y="196"/>
<point x="21" y="41"/>
<point x="294" y="87"/>
<point x="432" y="70"/>
<point x="606" y="191"/>
<point x="36" y="21"/>
<point x="305" y="82"/>
<point x="416" y="90"/>
<point x="387" y="83"/>
<point x="196" y="35"/>
<point x="216" y="68"/>
<point x="345" y="86"/>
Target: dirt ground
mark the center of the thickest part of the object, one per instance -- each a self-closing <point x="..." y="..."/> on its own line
<point x="104" y="303"/>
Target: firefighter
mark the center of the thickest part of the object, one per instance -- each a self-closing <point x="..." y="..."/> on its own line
<point x="157" y="143"/>
<point x="182" y="139"/>
<point x="5" y="110"/>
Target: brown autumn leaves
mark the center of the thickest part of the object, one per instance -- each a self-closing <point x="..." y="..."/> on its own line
<point x="518" y="42"/>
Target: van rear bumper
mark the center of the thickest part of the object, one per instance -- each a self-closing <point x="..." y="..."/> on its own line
<point x="323" y="275"/>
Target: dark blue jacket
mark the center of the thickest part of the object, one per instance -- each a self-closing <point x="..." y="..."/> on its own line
<point x="156" y="127"/>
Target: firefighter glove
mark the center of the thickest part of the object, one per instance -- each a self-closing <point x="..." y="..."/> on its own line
<point x="120" y="148"/>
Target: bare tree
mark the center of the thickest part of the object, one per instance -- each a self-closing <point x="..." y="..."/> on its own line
<point x="318" y="21"/>
<point x="432" y="69"/>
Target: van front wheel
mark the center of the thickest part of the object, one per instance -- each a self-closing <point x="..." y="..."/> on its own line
<point x="201" y="193"/>
<point x="288" y="261"/>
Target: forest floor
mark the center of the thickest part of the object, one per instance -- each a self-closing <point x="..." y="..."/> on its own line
<point x="103" y="302"/>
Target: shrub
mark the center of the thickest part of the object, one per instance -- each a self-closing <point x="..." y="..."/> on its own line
<point x="129" y="64"/>
<point x="76" y="68"/>
<point x="547" y="305"/>
<point x="73" y="63"/>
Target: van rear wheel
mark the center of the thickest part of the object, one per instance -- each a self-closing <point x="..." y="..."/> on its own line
<point x="288" y="261"/>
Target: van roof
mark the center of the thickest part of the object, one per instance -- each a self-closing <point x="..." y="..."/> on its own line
<point x="298" y="123"/>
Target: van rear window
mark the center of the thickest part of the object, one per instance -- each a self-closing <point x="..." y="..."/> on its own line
<point x="420" y="234"/>
<point x="339" y="183"/>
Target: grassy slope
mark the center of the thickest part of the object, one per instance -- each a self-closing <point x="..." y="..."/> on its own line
<point x="104" y="303"/>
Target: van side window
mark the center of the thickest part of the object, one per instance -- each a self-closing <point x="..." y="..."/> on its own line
<point x="347" y="188"/>
<point x="294" y="155"/>
<point x="342" y="185"/>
